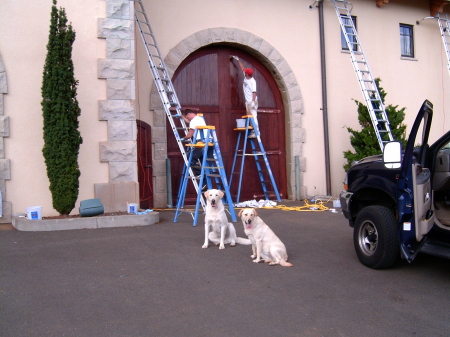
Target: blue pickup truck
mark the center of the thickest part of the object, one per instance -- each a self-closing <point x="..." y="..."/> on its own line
<point x="398" y="203"/>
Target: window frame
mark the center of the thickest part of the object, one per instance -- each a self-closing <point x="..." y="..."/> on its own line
<point x="407" y="39"/>
<point x="344" y="46"/>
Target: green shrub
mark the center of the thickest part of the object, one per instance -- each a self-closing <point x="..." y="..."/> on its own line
<point x="60" y="112"/>
<point x="365" y="142"/>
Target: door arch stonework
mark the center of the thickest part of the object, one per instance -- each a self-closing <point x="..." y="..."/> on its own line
<point x="274" y="62"/>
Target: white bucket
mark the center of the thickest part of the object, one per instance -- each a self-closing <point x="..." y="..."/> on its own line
<point x="132" y="208"/>
<point x="336" y="203"/>
<point x="34" y="213"/>
<point x="240" y="123"/>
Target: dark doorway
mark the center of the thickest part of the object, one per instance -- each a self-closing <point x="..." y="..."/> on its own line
<point x="145" y="172"/>
<point x="209" y="81"/>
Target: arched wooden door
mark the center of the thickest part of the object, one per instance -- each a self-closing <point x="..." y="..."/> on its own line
<point x="209" y="81"/>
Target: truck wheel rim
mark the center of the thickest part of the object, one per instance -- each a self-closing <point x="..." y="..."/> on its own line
<point x="368" y="238"/>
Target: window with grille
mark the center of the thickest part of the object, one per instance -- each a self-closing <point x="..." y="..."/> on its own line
<point x="406" y="40"/>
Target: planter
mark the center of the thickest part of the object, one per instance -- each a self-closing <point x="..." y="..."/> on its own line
<point x="105" y="221"/>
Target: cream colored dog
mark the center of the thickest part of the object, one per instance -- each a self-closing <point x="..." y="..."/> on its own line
<point x="222" y="232"/>
<point x="266" y="246"/>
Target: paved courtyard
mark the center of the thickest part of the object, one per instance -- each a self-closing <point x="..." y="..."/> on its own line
<point x="157" y="281"/>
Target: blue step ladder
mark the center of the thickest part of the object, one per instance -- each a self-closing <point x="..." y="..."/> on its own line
<point x="212" y="174"/>
<point x="256" y="150"/>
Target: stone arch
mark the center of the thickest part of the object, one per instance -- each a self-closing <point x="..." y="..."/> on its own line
<point x="281" y="71"/>
<point x="5" y="172"/>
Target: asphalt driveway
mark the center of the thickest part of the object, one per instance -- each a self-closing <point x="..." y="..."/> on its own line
<point x="158" y="281"/>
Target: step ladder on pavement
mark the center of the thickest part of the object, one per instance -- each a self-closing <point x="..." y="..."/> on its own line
<point x="256" y="150"/>
<point x="164" y="85"/>
<point x="444" y="26"/>
<point x="366" y="81"/>
<point x="212" y="174"/>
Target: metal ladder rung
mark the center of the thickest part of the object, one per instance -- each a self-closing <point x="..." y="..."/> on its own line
<point x="155" y="56"/>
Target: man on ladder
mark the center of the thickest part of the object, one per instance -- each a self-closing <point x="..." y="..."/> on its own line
<point x="194" y="121"/>
<point x="251" y="99"/>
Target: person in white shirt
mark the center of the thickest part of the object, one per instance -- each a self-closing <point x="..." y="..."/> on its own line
<point x="195" y="121"/>
<point x="251" y="98"/>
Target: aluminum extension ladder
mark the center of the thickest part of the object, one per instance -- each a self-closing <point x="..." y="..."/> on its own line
<point x="212" y="174"/>
<point x="256" y="151"/>
<point x="445" y="33"/>
<point x="163" y="84"/>
<point x="366" y="81"/>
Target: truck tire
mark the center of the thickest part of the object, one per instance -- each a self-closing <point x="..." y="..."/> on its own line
<point x="375" y="237"/>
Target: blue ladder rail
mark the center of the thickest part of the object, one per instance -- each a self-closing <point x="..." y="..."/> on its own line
<point x="256" y="151"/>
<point x="212" y="174"/>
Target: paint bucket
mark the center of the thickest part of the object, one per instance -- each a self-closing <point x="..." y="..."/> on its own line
<point x="34" y="213"/>
<point x="240" y="123"/>
<point x="132" y="208"/>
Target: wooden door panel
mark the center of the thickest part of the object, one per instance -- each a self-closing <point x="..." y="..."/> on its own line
<point x="145" y="172"/>
<point x="210" y="82"/>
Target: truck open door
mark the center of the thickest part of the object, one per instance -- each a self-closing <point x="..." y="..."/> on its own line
<point x="415" y="205"/>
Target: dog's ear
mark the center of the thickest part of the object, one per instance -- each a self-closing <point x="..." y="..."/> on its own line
<point x="240" y="212"/>
<point x="221" y="194"/>
<point x="256" y="213"/>
<point x="206" y="194"/>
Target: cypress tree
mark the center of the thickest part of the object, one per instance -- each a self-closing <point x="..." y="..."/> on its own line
<point x="60" y="109"/>
<point x="365" y="142"/>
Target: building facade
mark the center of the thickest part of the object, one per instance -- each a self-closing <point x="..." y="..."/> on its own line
<point x="402" y="43"/>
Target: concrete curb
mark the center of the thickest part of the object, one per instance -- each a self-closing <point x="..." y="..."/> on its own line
<point x="24" y="224"/>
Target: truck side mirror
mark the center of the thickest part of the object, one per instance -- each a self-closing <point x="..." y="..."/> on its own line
<point x="392" y="155"/>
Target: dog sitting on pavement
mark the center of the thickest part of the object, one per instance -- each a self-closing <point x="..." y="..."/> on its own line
<point x="266" y="246"/>
<point x="222" y="232"/>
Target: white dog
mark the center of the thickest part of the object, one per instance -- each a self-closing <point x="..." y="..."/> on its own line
<point x="266" y="245"/>
<point x="222" y="231"/>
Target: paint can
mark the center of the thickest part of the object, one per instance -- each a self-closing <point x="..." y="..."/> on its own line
<point x="240" y="123"/>
<point x="34" y="213"/>
<point x="132" y="208"/>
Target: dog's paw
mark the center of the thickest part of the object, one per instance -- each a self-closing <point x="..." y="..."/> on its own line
<point x="252" y="256"/>
<point x="233" y="244"/>
<point x="205" y="246"/>
<point x="222" y="247"/>
<point x="256" y="261"/>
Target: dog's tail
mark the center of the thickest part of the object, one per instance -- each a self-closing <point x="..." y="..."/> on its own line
<point x="284" y="263"/>
<point x="243" y="241"/>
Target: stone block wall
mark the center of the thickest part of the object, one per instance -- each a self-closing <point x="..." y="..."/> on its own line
<point x="5" y="169"/>
<point x="118" y="69"/>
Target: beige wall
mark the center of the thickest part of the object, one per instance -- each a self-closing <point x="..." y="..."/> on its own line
<point x="289" y="26"/>
<point x="25" y="28"/>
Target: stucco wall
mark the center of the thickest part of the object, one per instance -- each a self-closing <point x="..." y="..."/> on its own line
<point x="288" y="26"/>
<point x="25" y="29"/>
